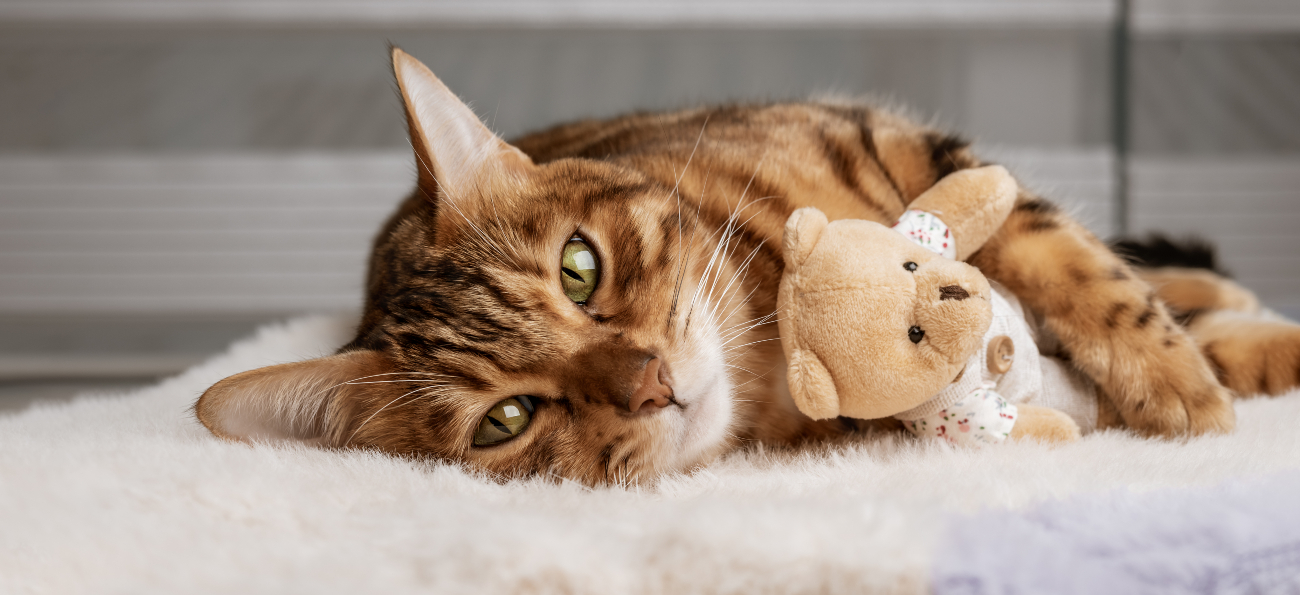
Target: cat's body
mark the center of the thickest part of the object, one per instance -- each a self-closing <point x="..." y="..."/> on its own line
<point x="672" y="357"/>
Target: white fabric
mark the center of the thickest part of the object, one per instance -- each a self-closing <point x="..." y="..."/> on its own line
<point x="928" y="231"/>
<point x="981" y="417"/>
<point x="127" y="493"/>
<point x="1033" y="379"/>
<point x="1020" y="384"/>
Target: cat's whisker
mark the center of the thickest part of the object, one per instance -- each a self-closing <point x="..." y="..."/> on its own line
<point x="740" y="271"/>
<point x="743" y="345"/>
<point x="381" y="409"/>
<point x="740" y="333"/>
<point x="425" y="395"/>
<point x="677" y="192"/>
<point x="746" y="370"/>
<point x="729" y="231"/>
<point x="734" y="331"/>
<point x="751" y="323"/>
<point x="719" y="255"/>
<point x="327" y="389"/>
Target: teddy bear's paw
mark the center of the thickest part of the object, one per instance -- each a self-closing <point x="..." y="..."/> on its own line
<point x="1044" y="424"/>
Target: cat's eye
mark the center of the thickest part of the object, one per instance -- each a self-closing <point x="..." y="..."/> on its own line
<point x="915" y="334"/>
<point x="910" y="266"/>
<point x="579" y="270"/>
<point x="506" y="420"/>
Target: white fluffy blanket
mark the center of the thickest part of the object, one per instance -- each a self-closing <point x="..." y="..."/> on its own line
<point x="129" y="494"/>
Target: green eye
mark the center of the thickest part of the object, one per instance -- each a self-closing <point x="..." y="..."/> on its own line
<point x="579" y="271"/>
<point x="505" y="421"/>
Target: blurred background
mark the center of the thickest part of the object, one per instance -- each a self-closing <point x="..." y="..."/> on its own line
<point x="174" y="173"/>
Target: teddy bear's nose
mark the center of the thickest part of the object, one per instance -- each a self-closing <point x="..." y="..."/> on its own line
<point x="952" y="292"/>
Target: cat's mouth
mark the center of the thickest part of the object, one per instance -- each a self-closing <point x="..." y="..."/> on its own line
<point x="697" y="428"/>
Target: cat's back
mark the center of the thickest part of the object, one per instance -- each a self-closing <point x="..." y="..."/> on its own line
<point x="850" y="160"/>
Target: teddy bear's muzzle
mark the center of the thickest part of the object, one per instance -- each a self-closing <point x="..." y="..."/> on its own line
<point x="953" y="309"/>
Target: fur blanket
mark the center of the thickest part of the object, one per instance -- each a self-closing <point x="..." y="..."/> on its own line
<point x="127" y="493"/>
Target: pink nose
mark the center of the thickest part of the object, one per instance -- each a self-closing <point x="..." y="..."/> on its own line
<point x="655" y="390"/>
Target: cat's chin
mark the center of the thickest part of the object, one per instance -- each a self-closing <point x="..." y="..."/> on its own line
<point x="699" y="430"/>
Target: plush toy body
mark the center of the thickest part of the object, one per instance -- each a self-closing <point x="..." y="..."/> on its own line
<point x="1005" y="378"/>
<point x="879" y="322"/>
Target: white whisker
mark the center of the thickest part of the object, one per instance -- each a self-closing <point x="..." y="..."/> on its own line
<point x="381" y="409"/>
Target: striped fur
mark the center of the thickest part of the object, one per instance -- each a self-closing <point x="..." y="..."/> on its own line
<point x="686" y="212"/>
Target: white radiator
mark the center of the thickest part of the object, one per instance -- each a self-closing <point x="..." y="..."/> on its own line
<point x="187" y="234"/>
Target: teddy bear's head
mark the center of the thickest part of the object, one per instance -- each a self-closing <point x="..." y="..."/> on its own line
<point x="895" y="322"/>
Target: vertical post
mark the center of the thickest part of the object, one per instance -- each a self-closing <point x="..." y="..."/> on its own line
<point x="1121" y="66"/>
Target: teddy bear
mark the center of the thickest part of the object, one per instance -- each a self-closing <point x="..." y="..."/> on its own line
<point x="883" y="322"/>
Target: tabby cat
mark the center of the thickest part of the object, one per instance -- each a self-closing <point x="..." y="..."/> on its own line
<point x="596" y="301"/>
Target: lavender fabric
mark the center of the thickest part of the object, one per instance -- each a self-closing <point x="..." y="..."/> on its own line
<point x="1239" y="537"/>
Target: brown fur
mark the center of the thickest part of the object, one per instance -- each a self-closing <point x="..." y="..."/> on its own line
<point x="686" y="211"/>
<point x="1251" y="350"/>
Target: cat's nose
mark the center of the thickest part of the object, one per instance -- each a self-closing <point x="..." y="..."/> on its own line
<point x="654" y="391"/>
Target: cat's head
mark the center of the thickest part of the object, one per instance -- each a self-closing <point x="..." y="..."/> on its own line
<point x="565" y="318"/>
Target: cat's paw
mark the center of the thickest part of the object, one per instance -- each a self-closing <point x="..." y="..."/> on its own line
<point x="1171" y="392"/>
<point x="1251" y="354"/>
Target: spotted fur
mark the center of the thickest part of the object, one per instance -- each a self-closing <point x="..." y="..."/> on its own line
<point x="686" y="211"/>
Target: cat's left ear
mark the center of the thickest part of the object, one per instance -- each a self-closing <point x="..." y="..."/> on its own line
<point x="453" y="149"/>
<point x="310" y="401"/>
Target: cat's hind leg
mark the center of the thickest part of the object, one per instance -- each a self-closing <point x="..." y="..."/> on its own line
<point x="1251" y="353"/>
<point x="1252" y="350"/>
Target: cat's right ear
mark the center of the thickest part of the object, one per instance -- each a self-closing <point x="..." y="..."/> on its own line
<point x="453" y="149"/>
<point x="310" y="401"/>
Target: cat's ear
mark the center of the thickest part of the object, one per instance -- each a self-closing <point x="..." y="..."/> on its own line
<point x="452" y="146"/>
<point x="310" y="401"/>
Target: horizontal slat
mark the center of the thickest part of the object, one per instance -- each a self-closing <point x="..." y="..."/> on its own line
<point x="192" y="233"/>
<point x="1251" y="224"/>
<point x="1248" y="208"/>
<point x="26" y="367"/>
<point x="1208" y="16"/>
<point x="92" y="262"/>
<point x="187" y="241"/>
<point x="148" y="304"/>
<point x="1254" y="174"/>
<point x="565" y="13"/>
<point x="203" y="195"/>
<point x="134" y="219"/>
<point x="179" y="284"/>
<point x="172" y="219"/>
<point x="321" y="169"/>
<point x="1080" y="181"/>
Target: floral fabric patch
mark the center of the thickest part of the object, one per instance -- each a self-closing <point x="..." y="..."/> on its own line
<point x="981" y="417"/>
<point x="927" y="231"/>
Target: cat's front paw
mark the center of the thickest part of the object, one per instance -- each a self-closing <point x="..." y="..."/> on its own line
<point x="1171" y="392"/>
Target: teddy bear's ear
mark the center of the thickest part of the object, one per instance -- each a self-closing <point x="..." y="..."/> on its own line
<point x="811" y="385"/>
<point x="802" y="231"/>
<point x="972" y="202"/>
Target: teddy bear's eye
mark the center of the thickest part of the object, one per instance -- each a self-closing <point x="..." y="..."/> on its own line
<point x="915" y="334"/>
<point x="910" y="266"/>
